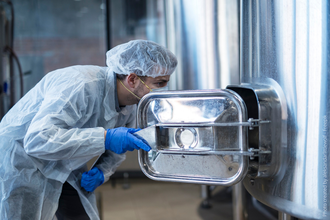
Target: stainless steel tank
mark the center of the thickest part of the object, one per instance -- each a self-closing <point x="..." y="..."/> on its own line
<point x="204" y="35"/>
<point x="288" y="42"/>
<point x="282" y="98"/>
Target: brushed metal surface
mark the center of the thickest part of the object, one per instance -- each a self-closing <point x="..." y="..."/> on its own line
<point x="288" y="41"/>
<point x="266" y="102"/>
<point x="215" y="155"/>
<point x="204" y="35"/>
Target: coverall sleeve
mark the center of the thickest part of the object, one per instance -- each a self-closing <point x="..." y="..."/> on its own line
<point x="55" y="132"/>
<point x="109" y="161"/>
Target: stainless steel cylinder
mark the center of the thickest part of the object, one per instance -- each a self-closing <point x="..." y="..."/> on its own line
<point x="239" y="202"/>
<point x="204" y="36"/>
<point x="288" y="42"/>
<point x="284" y="216"/>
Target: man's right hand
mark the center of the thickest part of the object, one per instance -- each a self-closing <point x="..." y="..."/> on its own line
<point x="120" y="140"/>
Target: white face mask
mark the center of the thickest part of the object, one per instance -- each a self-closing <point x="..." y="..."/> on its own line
<point x="165" y="88"/>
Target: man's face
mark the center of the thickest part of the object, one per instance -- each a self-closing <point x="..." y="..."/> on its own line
<point x="152" y="83"/>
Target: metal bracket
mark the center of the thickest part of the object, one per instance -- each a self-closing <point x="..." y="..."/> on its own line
<point x="257" y="152"/>
<point x="256" y="123"/>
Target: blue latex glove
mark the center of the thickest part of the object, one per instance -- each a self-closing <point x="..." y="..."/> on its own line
<point x="120" y="140"/>
<point x="92" y="179"/>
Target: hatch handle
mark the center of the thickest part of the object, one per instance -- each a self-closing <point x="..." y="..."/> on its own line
<point x="251" y="123"/>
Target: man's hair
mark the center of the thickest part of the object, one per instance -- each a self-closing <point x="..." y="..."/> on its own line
<point x="121" y="77"/>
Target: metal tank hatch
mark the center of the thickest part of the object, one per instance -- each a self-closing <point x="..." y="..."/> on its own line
<point x="208" y="137"/>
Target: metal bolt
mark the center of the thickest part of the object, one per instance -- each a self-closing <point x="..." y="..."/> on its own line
<point x="252" y="182"/>
<point x="230" y="168"/>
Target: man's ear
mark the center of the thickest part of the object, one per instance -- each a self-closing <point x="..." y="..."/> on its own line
<point x="132" y="80"/>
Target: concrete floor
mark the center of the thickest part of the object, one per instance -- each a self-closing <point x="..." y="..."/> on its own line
<point x="151" y="200"/>
<point x="145" y="199"/>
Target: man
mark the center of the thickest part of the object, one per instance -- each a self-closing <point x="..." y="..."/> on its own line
<point x="59" y="125"/>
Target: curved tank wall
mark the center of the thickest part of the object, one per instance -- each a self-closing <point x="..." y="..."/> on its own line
<point x="281" y="41"/>
<point x="288" y="41"/>
<point x="204" y="35"/>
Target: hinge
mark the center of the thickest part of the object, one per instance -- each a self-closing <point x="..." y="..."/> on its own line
<point x="257" y="152"/>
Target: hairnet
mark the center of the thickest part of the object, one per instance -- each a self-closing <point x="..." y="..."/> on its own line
<point x="142" y="57"/>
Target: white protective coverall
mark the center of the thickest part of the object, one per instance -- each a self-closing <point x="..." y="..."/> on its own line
<point x="50" y="134"/>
